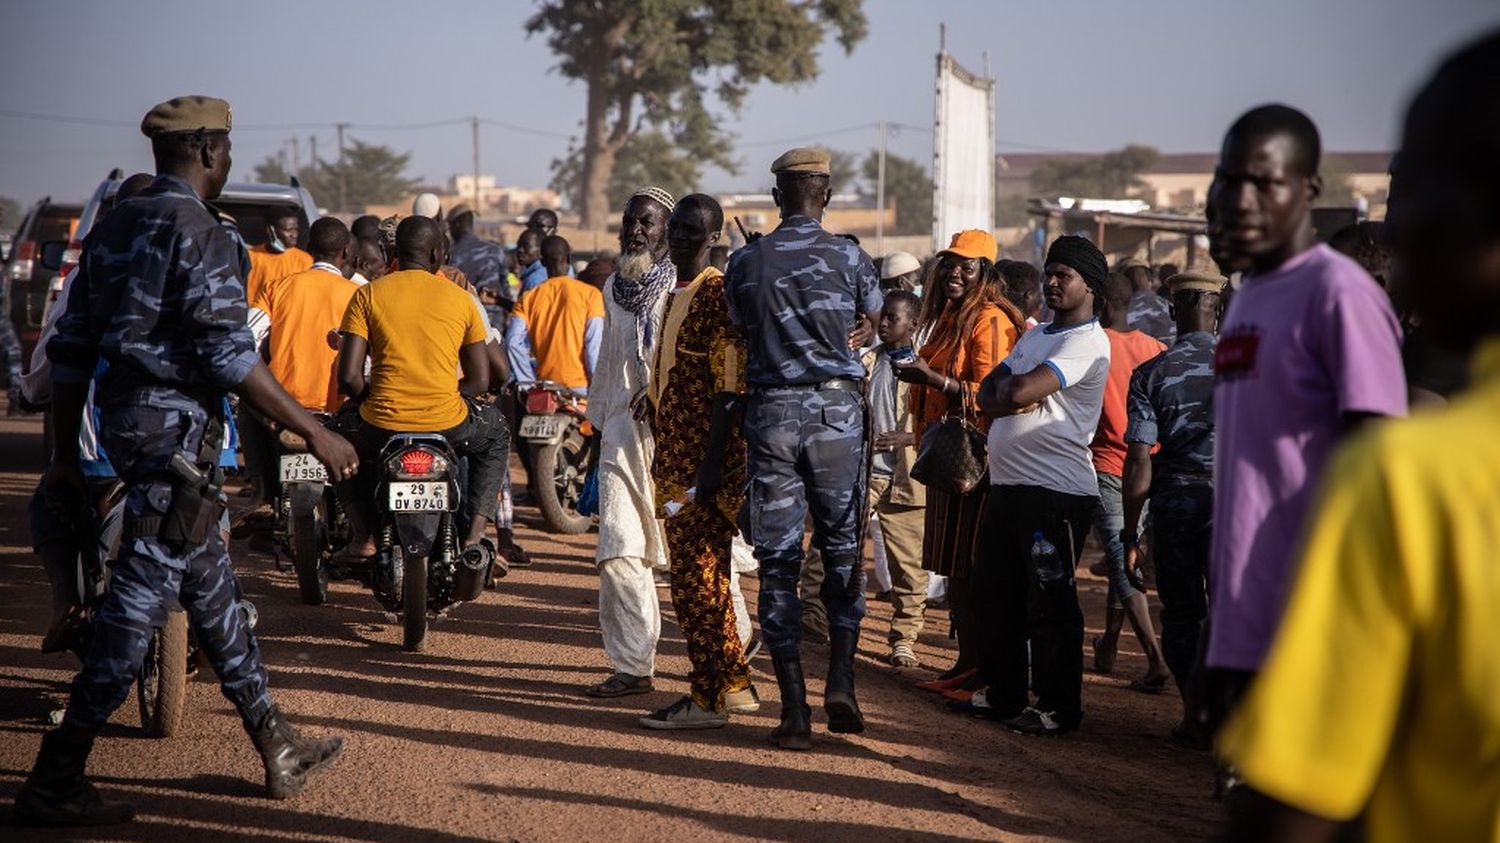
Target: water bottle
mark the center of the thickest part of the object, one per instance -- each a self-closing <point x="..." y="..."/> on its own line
<point x="1048" y="564"/>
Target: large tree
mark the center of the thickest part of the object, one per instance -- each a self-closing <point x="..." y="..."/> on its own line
<point x="1112" y="175"/>
<point x="651" y="159"/>
<point x="907" y="182"/>
<point x="369" y="175"/>
<point x="656" y="63"/>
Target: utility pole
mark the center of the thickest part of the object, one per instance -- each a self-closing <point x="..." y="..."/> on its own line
<point x="312" y="144"/>
<point x="343" y="178"/>
<point x="296" y="155"/>
<point x="880" y="195"/>
<point x="474" y="121"/>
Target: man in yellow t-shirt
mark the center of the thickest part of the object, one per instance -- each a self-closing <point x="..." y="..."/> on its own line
<point x="1381" y="696"/>
<point x="302" y="309"/>
<point x="560" y="322"/>
<point x="279" y="256"/>
<point x="417" y="329"/>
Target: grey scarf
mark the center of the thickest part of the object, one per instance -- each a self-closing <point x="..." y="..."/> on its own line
<point x="640" y="297"/>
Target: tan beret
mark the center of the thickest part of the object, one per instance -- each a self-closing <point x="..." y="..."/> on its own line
<point x="187" y="114"/>
<point x="1196" y="280"/>
<point x="1133" y="263"/>
<point x="804" y="159"/>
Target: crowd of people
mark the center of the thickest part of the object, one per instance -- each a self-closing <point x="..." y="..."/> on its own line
<point x="1221" y="430"/>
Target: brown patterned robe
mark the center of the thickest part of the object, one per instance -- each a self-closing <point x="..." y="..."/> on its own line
<point x="699" y="356"/>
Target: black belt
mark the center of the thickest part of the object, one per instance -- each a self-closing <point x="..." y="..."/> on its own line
<point x="845" y="384"/>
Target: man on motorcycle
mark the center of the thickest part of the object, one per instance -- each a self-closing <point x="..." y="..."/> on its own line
<point x="417" y="328"/>
<point x="302" y="309"/>
<point x="560" y="323"/>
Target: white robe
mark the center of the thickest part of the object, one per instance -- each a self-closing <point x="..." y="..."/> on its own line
<point x="630" y="543"/>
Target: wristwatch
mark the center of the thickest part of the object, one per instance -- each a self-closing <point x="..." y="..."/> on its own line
<point x="1129" y="538"/>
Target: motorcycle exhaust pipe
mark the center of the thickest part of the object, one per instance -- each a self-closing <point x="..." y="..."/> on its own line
<point x="473" y="569"/>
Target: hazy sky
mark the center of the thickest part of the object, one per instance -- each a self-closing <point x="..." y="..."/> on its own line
<point x="1082" y="75"/>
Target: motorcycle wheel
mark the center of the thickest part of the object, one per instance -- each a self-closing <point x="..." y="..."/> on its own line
<point x="307" y="558"/>
<point x="413" y="601"/>
<point x="560" y="469"/>
<point x="161" y="684"/>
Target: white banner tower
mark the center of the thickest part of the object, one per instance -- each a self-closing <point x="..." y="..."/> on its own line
<point x="963" y="150"/>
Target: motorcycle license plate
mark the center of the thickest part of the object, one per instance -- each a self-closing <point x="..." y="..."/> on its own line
<point x="545" y="428"/>
<point x="417" y="497"/>
<point x="302" y="468"/>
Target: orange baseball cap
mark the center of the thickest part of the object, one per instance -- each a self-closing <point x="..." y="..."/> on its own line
<point x="974" y="243"/>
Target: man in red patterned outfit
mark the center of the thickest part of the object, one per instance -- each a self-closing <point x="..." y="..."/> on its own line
<point x="699" y="363"/>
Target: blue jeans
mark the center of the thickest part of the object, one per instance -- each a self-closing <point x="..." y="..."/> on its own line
<point x="1109" y="520"/>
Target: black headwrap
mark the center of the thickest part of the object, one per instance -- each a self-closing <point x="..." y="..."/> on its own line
<point x="1084" y="257"/>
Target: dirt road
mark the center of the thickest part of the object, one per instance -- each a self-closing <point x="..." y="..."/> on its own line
<point x="486" y="736"/>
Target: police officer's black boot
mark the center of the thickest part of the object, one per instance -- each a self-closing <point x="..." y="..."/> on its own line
<point x="57" y="793"/>
<point x="289" y="757"/>
<point x="838" y="695"/>
<point x="795" y="731"/>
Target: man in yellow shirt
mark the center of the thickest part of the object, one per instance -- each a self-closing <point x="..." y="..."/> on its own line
<point x="1381" y="696"/>
<point x="417" y="329"/>
<point x="279" y="256"/>
<point x="302" y="309"/>
<point x="560" y="322"/>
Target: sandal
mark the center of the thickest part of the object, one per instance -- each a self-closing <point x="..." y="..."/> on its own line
<point x="903" y="656"/>
<point x="946" y="684"/>
<point x="1149" y="684"/>
<point x="1102" y="665"/>
<point x="620" y="685"/>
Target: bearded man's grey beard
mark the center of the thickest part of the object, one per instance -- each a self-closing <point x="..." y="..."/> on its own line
<point x="633" y="266"/>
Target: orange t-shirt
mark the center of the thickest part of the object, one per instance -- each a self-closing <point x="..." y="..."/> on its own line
<point x="303" y="308"/>
<point x="267" y="266"/>
<point x="556" y="313"/>
<point x="1127" y="350"/>
<point x="967" y="359"/>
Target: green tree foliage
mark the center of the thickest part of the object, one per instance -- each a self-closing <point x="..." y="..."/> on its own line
<point x="656" y="64"/>
<point x="1113" y="175"/>
<point x="842" y="170"/>
<point x="651" y="159"/>
<point x="10" y="214"/>
<point x="370" y="175"/>
<point x="908" y="184"/>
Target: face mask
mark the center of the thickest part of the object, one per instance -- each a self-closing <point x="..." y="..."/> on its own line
<point x="275" y="245"/>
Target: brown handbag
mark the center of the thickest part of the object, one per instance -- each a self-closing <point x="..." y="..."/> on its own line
<point x="951" y="457"/>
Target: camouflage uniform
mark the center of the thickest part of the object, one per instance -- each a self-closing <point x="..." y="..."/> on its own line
<point x="1149" y="312"/>
<point x="796" y="292"/>
<point x="161" y="297"/>
<point x="1171" y="402"/>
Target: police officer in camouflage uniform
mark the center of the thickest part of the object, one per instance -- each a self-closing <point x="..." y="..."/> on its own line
<point x="1171" y="403"/>
<point x="797" y="293"/>
<point x="160" y="296"/>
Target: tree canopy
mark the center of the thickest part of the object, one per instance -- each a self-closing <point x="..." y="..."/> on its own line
<point x="370" y="175"/>
<point x="907" y="182"/>
<point x="1113" y="175"/>
<point x="654" y="65"/>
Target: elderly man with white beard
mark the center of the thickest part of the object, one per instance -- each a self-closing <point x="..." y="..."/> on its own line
<point x="630" y="543"/>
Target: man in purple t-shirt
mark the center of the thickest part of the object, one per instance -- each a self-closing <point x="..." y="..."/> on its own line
<point x="1309" y="348"/>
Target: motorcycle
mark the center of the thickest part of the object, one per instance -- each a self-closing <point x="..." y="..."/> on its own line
<point x="171" y="653"/>
<point x="563" y="452"/>
<point x="310" y="522"/>
<point x="420" y="567"/>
